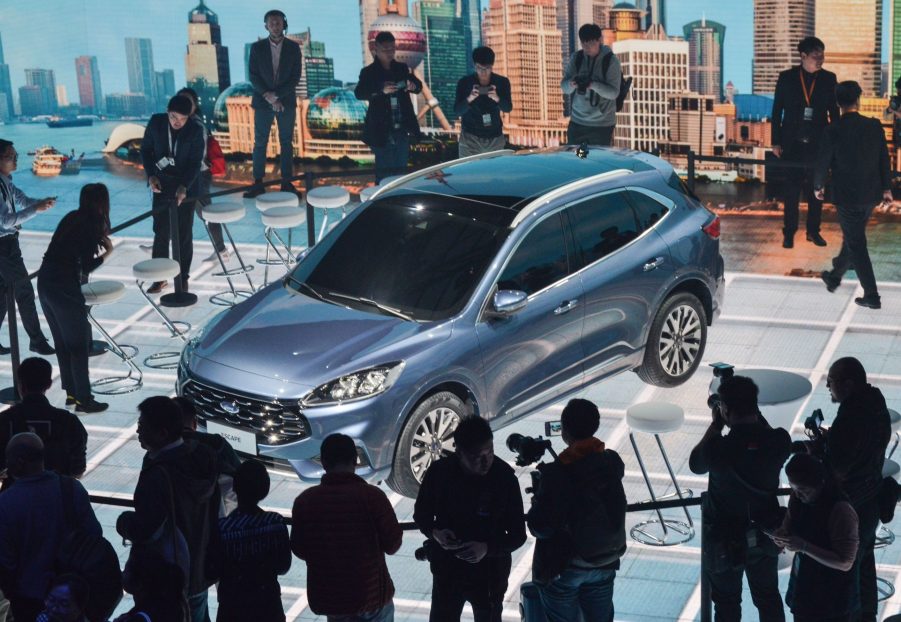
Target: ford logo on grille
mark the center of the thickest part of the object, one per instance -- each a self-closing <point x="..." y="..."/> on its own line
<point x="230" y="407"/>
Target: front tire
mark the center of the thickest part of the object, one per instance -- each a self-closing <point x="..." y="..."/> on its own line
<point x="676" y="342"/>
<point x="427" y="436"/>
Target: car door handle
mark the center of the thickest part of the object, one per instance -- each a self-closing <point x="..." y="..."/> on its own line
<point x="566" y="306"/>
<point x="653" y="264"/>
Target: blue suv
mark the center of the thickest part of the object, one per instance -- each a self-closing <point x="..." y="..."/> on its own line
<point x="494" y="285"/>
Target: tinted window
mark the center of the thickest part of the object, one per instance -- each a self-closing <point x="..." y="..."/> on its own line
<point x="648" y="210"/>
<point x="601" y="225"/>
<point x="540" y="259"/>
<point x="421" y="261"/>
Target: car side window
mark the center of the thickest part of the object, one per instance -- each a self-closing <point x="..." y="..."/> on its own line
<point x="601" y="225"/>
<point x="648" y="209"/>
<point x="540" y="259"/>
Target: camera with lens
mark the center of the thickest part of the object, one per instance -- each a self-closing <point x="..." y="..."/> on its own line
<point x="424" y="553"/>
<point x="401" y="85"/>
<point x="582" y="83"/>
<point x="723" y="371"/>
<point x="528" y="449"/>
<point x="814" y="431"/>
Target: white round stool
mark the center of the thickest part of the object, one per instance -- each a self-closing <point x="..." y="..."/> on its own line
<point x="280" y="218"/>
<point x="160" y="269"/>
<point x="367" y="192"/>
<point x="276" y="199"/>
<point x="223" y="214"/>
<point x="387" y="180"/>
<point x="659" y="418"/>
<point x="104" y="293"/>
<point x="328" y="198"/>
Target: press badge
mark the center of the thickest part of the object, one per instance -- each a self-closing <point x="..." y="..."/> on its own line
<point x="808" y="113"/>
<point x="486" y="120"/>
<point x="162" y="163"/>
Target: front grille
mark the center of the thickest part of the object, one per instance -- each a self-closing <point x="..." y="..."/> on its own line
<point x="274" y="422"/>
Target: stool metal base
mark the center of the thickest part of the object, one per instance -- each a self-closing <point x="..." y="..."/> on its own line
<point x="685" y="493"/>
<point x="117" y="385"/>
<point x="9" y="395"/>
<point x="176" y="299"/>
<point x="233" y="295"/>
<point x="885" y="589"/>
<point x="98" y="347"/>
<point x="884" y="537"/>
<point x="674" y="532"/>
<point x="230" y="299"/>
<point x="163" y="360"/>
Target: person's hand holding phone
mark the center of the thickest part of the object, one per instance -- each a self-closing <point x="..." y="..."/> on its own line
<point x="472" y="552"/>
<point x="446" y="539"/>
<point x="44" y="204"/>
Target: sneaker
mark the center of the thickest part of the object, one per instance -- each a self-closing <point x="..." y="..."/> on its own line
<point x="816" y="238"/>
<point x="255" y="190"/>
<point x="157" y="287"/>
<point x="214" y="256"/>
<point x="4" y="350"/>
<point x="147" y="248"/>
<point x="831" y="282"/>
<point x="870" y="301"/>
<point x="70" y="399"/>
<point x="42" y="347"/>
<point x="90" y="406"/>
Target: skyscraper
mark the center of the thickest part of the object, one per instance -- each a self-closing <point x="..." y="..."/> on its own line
<point x="655" y="13"/>
<point x="165" y="84"/>
<point x="571" y="14"/>
<point x="317" y="71"/>
<point x="526" y="43"/>
<point x="206" y="61"/>
<point x="447" y="57"/>
<point x="472" y="27"/>
<point x="705" y="57"/>
<point x="45" y="81"/>
<point x="369" y="12"/>
<point x="600" y="12"/>
<point x="6" y="89"/>
<point x="778" y="26"/>
<point x="90" y="95"/>
<point x="141" y="76"/>
<point x="852" y="32"/>
<point x="894" y="42"/>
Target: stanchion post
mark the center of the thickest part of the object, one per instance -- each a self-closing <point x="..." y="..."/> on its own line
<point x="691" y="170"/>
<point x="706" y="603"/>
<point x="10" y="395"/>
<point x="179" y="298"/>
<point x="311" y="226"/>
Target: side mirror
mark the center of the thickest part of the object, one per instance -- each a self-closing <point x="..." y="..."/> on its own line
<point x="506" y="302"/>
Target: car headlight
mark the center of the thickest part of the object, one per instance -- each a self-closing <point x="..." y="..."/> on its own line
<point x="359" y="385"/>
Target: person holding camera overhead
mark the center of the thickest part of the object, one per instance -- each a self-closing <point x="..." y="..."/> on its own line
<point x="578" y="515"/>
<point x="481" y="98"/>
<point x="470" y="509"/>
<point x="740" y="505"/>
<point x="390" y="125"/>
<point x="592" y="90"/>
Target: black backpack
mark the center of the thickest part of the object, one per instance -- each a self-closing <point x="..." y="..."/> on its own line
<point x="597" y="525"/>
<point x="625" y="83"/>
<point x="91" y="557"/>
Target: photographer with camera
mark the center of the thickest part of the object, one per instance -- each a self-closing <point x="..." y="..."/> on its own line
<point x="470" y="508"/>
<point x="578" y="515"/>
<point x="854" y="450"/>
<point x="481" y="98"/>
<point x="592" y="82"/>
<point x="740" y="503"/>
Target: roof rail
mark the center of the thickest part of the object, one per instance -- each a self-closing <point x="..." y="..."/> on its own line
<point x="425" y="171"/>
<point x="562" y="190"/>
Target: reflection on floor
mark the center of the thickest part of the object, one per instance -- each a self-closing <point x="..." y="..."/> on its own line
<point x="768" y="322"/>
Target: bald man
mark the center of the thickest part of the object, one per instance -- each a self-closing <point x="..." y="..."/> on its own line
<point x="32" y="525"/>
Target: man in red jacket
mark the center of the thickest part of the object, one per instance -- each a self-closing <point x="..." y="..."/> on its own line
<point x="342" y="529"/>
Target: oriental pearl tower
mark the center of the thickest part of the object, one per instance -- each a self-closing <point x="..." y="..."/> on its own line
<point x="411" y="44"/>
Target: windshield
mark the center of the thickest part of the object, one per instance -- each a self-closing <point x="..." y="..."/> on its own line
<point x="406" y="258"/>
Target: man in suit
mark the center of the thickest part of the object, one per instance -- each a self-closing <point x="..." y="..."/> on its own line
<point x="275" y="64"/>
<point x="390" y="124"/>
<point x="171" y="152"/>
<point x="854" y="148"/>
<point x="804" y="104"/>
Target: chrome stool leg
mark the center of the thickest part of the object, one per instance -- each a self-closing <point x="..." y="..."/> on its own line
<point x="118" y="384"/>
<point x="177" y="328"/>
<point x="885" y="589"/>
<point x="234" y="296"/>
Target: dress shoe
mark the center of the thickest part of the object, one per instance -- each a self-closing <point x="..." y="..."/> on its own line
<point x="147" y="248"/>
<point x="214" y="256"/>
<point x="870" y="301"/>
<point x="42" y="347"/>
<point x="4" y="350"/>
<point x="90" y="406"/>
<point x="70" y="399"/>
<point x="157" y="287"/>
<point x="816" y="238"/>
<point x="788" y="240"/>
<point x="831" y="282"/>
<point x="255" y="190"/>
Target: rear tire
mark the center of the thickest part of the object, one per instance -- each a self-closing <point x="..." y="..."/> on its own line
<point x="676" y="342"/>
<point x="427" y="436"/>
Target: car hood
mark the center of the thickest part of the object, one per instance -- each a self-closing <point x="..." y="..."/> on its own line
<point x="293" y="338"/>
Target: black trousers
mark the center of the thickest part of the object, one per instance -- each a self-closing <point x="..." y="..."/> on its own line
<point x="161" y="233"/>
<point x="215" y="229"/>
<point x="450" y="594"/>
<point x="64" y="308"/>
<point x="761" y="569"/>
<point x="798" y="180"/>
<point x="12" y="269"/>
<point x="577" y="134"/>
<point x="853" y="221"/>
<point x="868" y="522"/>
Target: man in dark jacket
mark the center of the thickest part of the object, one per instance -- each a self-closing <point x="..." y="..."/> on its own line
<point x="854" y="148"/>
<point x="855" y="452"/>
<point x="274" y="67"/>
<point x="740" y="503"/>
<point x="578" y="515"/>
<point x="390" y="123"/>
<point x="171" y="151"/>
<point x="469" y="507"/>
<point x="342" y="529"/>
<point x="180" y="474"/>
<point x="804" y="103"/>
<point x="64" y="437"/>
<point x="481" y="98"/>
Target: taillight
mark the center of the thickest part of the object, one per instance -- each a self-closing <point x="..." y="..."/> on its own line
<point x="712" y="228"/>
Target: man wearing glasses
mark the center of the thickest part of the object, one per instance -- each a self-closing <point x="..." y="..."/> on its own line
<point x="16" y="208"/>
<point x="481" y="98"/>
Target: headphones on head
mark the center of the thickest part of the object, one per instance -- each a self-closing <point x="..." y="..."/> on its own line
<point x="280" y="14"/>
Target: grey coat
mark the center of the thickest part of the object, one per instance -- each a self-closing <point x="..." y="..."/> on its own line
<point x="283" y="85"/>
<point x="597" y="106"/>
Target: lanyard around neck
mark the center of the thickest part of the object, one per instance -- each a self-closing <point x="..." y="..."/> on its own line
<point x="807" y="94"/>
<point x="173" y="149"/>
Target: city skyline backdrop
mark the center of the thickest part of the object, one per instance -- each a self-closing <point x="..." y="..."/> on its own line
<point x="90" y="28"/>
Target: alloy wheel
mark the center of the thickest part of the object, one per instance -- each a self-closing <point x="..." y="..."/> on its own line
<point x="680" y="340"/>
<point x="433" y="439"/>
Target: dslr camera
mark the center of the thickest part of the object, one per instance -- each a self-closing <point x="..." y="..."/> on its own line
<point x="582" y="83"/>
<point x="401" y="85"/>
<point x="723" y="371"/>
<point x="814" y="431"/>
<point x="530" y="450"/>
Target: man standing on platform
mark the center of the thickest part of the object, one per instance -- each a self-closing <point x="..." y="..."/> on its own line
<point x="275" y="64"/>
<point x="481" y="98"/>
<point x="804" y="104"/>
<point x="592" y="80"/>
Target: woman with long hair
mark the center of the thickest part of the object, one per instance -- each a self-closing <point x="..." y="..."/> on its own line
<point x="79" y="245"/>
